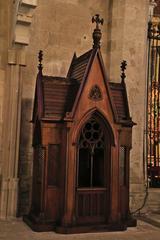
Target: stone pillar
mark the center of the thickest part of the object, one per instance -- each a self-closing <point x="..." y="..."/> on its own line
<point x="22" y="18"/>
<point x="152" y="5"/>
<point x="128" y="41"/>
<point x="2" y="77"/>
<point x="11" y="133"/>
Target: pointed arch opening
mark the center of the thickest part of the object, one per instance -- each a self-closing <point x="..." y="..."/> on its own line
<point x="93" y="170"/>
<point x="91" y="150"/>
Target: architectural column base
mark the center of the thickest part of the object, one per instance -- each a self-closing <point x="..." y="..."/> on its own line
<point x="4" y="198"/>
<point x="9" y="197"/>
<point x="137" y="197"/>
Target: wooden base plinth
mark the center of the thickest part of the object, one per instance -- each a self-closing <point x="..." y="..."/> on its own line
<point x="42" y="226"/>
<point x="90" y="228"/>
<point x="131" y="221"/>
<point x="122" y="226"/>
<point x="38" y="226"/>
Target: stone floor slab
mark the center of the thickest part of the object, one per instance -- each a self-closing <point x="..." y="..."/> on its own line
<point x="17" y="229"/>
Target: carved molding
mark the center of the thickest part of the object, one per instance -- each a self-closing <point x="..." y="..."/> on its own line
<point x="152" y="5"/>
<point x="22" y="18"/>
<point x="95" y="93"/>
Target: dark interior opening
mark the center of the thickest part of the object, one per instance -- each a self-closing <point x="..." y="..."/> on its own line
<point x="91" y="155"/>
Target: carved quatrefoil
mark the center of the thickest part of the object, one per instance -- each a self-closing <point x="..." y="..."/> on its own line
<point x="95" y="93"/>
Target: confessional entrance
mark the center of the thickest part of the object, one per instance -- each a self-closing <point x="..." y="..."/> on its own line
<point x="93" y="163"/>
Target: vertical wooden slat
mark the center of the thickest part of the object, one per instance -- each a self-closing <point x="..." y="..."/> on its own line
<point x="91" y="204"/>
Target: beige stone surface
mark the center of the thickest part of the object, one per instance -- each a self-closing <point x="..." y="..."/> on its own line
<point x="4" y="31"/>
<point x="2" y="77"/>
<point x="22" y="18"/>
<point x="19" y="230"/>
<point x="129" y="41"/>
<point x="4" y="34"/>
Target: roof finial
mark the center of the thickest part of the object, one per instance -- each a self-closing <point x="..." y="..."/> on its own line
<point x="97" y="32"/>
<point x="40" y="58"/>
<point x="123" y="68"/>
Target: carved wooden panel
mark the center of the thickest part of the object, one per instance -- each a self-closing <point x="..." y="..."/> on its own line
<point x="53" y="164"/>
<point x="122" y="162"/>
<point x="91" y="205"/>
<point x="95" y="93"/>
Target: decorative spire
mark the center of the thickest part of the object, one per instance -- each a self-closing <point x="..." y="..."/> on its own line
<point x="123" y="68"/>
<point x="40" y="58"/>
<point x="97" y="32"/>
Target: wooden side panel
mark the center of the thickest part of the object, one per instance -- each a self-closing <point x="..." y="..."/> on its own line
<point x="51" y="133"/>
<point x="51" y="137"/>
<point x="125" y="145"/>
<point x="52" y="182"/>
<point x="91" y="206"/>
<point x="54" y="159"/>
<point x="38" y="179"/>
<point x="52" y="207"/>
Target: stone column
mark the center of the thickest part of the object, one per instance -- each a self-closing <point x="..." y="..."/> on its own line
<point x="152" y="5"/>
<point x="22" y="18"/>
<point x="2" y="77"/>
<point x="11" y="133"/>
<point x="128" y="41"/>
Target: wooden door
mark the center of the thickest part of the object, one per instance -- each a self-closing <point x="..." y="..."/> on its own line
<point x="92" y="191"/>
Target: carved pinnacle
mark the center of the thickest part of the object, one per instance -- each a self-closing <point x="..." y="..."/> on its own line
<point x="97" y="20"/>
<point x="97" y="32"/>
<point x="123" y="68"/>
<point x="40" y="58"/>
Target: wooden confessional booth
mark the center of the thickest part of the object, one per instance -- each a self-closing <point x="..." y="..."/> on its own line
<point x="82" y="134"/>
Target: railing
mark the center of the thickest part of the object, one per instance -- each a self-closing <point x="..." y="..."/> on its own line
<point x="153" y="107"/>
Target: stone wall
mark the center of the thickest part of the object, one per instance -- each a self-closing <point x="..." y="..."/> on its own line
<point x="4" y="32"/>
<point x="135" y="52"/>
<point x="15" y="20"/>
<point x="128" y="41"/>
<point x="2" y="76"/>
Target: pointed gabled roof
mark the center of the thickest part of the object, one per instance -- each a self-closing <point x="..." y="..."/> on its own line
<point x="78" y="65"/>
<point x="80" y="68"/>
<point x="119" y="96"/>
<point x="55" y="96"/>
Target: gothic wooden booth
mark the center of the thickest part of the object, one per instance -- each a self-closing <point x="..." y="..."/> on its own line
<point x="82" y="134"/>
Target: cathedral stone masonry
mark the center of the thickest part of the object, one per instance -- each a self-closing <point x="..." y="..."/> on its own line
<point x="12" y="90"/>
<point x="23" y="14"/>
<point x="58" y="28"/>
